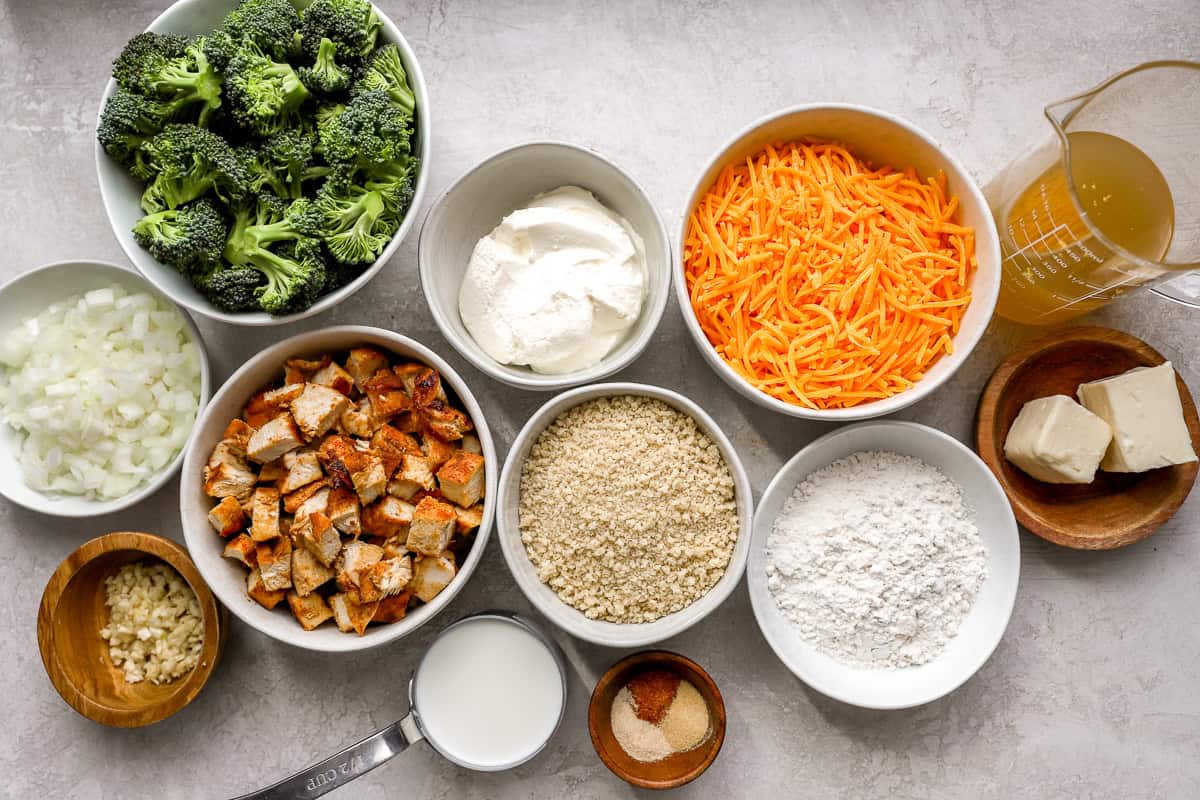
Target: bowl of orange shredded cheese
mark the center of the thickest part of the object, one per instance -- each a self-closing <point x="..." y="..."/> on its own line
<point x="836" y="263"/>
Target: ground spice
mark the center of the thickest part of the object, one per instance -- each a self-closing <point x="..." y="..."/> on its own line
<point x="653" y="692"/>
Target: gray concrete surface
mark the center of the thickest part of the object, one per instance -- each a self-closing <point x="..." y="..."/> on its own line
<point x="1092" y="692"/>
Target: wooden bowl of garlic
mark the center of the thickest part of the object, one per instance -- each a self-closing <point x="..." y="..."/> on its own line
<point x="657" y="720"/>
<point x="128" y="631"/>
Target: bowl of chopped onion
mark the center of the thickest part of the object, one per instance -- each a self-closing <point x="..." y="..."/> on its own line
<point x="102" y="378"/>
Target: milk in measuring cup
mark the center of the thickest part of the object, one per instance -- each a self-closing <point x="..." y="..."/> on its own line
<point x="489" y="693"/>
<point x="1055" y="266"/>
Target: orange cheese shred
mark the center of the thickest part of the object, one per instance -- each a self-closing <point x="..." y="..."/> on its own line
<point x="826" y="282"/>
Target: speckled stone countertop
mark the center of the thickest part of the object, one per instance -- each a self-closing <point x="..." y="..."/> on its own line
<point x="1091" y="693"/>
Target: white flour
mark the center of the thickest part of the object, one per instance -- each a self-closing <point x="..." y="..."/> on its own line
<point x="876" y="559"/>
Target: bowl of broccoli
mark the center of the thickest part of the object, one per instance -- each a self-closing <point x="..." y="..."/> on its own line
<point x="260" y="160"/>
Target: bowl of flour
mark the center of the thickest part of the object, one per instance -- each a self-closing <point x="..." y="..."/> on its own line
<point x="884" y="564"/>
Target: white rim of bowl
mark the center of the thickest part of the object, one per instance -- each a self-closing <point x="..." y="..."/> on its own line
<point x="301" y="343"/>
<point x="990" y="479"/>
<point x="260" y="319"/>
<point x="513" y="376"/>
<point x="514" y="551"/>
<point x="867" y="410"/>
<point x="153" y="485"/>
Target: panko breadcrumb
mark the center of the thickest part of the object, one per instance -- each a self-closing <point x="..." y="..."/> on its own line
<point x="154" y="630"/>
<point x="627" y="509"/>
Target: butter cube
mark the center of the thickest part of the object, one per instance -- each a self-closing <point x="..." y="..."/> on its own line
<point x="1142" y="407"/>
<point x="1056" y="440"/>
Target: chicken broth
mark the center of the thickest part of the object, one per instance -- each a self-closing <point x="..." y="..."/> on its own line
<point x="489" y="693"/>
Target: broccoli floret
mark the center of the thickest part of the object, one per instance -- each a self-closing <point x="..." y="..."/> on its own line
<point x="352" y="25"/>
<point x="325" y="76"/>
<point x="232" y="289"/>
<point x="396" y="181"/>
<point x="370" y="132"/>
<point x="191" y="161"/>
<point x="264" y="95"/>
<point x="270" y="24"/>
<point x="385" y="72"/>
<point x="284" y="162"/>
<point x="127" y="123"/>
<point x="354" y="221"/>
<point x="266" y="238"/>
<point x="190" y="238"/>
<point x="171" y="68"/>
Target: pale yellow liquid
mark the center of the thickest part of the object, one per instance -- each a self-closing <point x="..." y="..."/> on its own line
<point x="1054" y="266"/>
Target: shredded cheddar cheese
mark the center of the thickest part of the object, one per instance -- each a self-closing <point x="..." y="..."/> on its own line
<point x="824" y="282"/>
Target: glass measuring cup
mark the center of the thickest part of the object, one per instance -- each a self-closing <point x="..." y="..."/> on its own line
<point x="488" y="694"/>
<point x="1111" y="203"/>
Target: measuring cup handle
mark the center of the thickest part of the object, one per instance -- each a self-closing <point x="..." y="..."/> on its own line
<point x="343" y="766"/>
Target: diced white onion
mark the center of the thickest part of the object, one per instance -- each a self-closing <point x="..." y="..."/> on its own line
<point x="102" y="390"/>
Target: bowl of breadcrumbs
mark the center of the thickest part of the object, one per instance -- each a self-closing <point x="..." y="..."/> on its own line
<point x="624" y="513"/>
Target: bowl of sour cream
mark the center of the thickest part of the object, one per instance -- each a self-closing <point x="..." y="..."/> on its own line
<point x="546" y="266"/>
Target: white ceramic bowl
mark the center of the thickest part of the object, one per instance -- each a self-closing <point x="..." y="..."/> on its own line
<point x="28" y="295"/>
<point x="880" y="138"/>
<point x="984" y="625"/>
<point x="228" y="578"/>
<point x="504" y="182"/>
<point x="571" y="620"/>
<point x="121" y="194"/>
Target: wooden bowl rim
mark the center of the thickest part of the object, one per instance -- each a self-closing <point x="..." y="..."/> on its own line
<point x="991" y="451"/>
<point x="187" y="688"/>
<point x="692" y="672"/>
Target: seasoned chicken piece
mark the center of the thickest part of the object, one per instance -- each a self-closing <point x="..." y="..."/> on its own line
<point x="394" y="608"/>
<point x="318" y="503"/>
<point x="431" y="528"/>
<point x="354" y="558"/>
<point x="275" y="563"/>
<point x="471" y="444"/>
<point x="227" y="517"/>
<point x="237" y="435"/>
<point x="437" y="452"/>
<point x="408" y="422"/>
<point x="363" y="362"/>
<point x="389" y="516"/>
<point x="431" y="574"/>
<point x="270" y="403"/>
<point x="303" y="468"/>
<point x="294" y="501"/>
<point x="272" y="471"/>
<point x="446" y="423"/>
<point x="257" y="590"/>
<point x="426" y="387"/>
<point x="308" y="572"/>
<point x="468" y="519"/>
<point x="227" y="475"/>
<point x="386" y="392"/>
<point x="359" y="420"/>
<point x="315" y="534"/>
<point x="395" y="547"/>
<point x="384" y="578"/>
<point x="264" y="521"/>
<point x="462" y="479"/>
<point x="370" y="481"/>
<point x="334" y="377"/>
<point x="309" y="610"/>
<point x="241" y="548"/>
<point x="391" y="446"/>
<point x="344" y="511"/>
<point x="413" y="476"/>
<point x="273" y="439"/>
<point x="317" y="408"/>
<point x="350" y="613"/>
<point x="300" y="370"/>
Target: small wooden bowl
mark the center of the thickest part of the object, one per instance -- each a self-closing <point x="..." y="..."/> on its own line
<point x="72" y="613"/>
<point x="1114" y="510"/>
<point x="675" y="770"/>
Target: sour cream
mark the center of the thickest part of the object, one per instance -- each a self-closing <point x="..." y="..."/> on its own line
<point x="556" y="285"/>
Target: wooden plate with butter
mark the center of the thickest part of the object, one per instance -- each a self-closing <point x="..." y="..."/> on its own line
<point x="1115" y="509"/>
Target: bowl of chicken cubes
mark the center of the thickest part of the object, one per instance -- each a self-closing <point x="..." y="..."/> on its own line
<point x="338" y="491"/>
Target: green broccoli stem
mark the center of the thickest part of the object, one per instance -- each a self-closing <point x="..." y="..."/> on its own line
<point x="203" y="85"/>
<point x="369" y="206"/>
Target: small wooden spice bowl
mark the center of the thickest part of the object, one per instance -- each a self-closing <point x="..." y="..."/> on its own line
<point x="677" y="769"/>
<point x="1116" y="509"/>
<point x="76" y="659"/>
